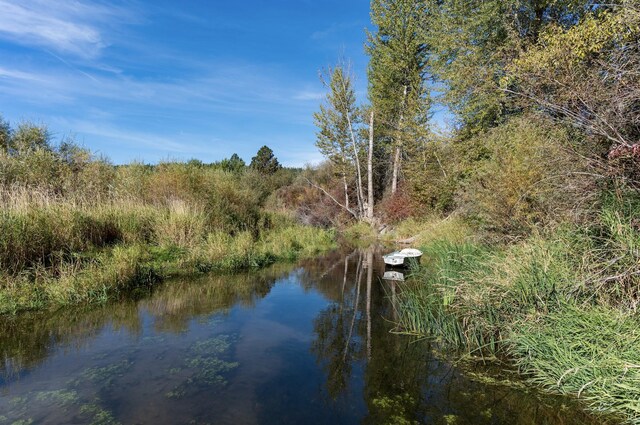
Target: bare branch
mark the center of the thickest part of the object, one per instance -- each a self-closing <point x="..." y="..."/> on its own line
<point x="353" y="213"/>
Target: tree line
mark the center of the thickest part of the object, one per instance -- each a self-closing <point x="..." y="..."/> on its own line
<point x="543" y="96"/>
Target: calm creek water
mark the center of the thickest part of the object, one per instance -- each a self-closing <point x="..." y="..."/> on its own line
<point x="294" y="344"/>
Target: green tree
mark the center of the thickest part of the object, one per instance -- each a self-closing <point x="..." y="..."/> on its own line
<point x="472" y="42"/>
<point x="397" y="71"/>
<point x="265" y="161"/>
<point x="5" y="135"/>
<point x="335" y="122"/>
<point x="586" y="75"/>
<point x="234" y="164"/>
<point x="28" y="138"/>
<point x="339" y="138"/>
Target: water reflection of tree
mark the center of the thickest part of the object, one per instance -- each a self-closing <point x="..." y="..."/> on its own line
<point x="181" y="302"/>
<point x="353" y="329"/>
<point x="28" y="339"/>
<point x="335" y="346"/>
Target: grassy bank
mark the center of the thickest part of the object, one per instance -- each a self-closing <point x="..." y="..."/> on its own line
<point x="560" y="306"/>
<point x="102" y="274"/>
<point x="75" y="228"/>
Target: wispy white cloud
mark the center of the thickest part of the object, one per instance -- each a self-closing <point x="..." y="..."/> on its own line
<point x="127" y="137"/>
<point x="308" y="95"/>
<point x="20" y="75"/>
<point x="226" y="89"/>
<point x="64" y="26"/>
<point x="127" y="92"/>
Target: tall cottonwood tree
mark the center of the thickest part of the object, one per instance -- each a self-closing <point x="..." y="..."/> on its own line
<point x="397" y="68"/>
<point x="338" y="136"/>
<point x="335" y="122"/>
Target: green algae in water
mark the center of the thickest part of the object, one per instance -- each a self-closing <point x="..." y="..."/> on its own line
<point x="152" y="340"/>
<point x="23" y="422"/>
<point x="97" y="415"/>
<point x="216" y="345"/>
<point x="106" y="375"/>
<point x="61" y="399"/>
<point x="6" y="420"/>
<point x="58" y="396"/>
<point x="450" y="419"/>
<point x="68" y="401"/>
<point x="206" y="368"/>
<point x="393" y="410"/>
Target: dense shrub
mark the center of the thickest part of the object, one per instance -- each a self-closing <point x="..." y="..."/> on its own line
<point x="395" y="207"/>
<point x="528" y="176"/>
<point x="433" y="173"/>
<point x="311" y="205"/>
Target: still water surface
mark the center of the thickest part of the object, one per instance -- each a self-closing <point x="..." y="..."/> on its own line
<point x="303" y="344"/>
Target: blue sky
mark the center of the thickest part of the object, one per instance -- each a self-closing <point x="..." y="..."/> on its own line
<point x="152" y="80"/>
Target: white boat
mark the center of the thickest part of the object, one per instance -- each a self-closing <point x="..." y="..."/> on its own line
<point x="394" y="276"/>
<point x="403" y="257"/>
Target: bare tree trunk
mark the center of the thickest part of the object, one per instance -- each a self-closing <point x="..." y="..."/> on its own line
<point x="394" y="300"/>
<point x="360" y="191"/>
<point x="369" y="280"/>
<point x="346" y="190"/>
<point x="358" y="172"/>
<point x="397" y="155"/>
<point x="370" y="171"/>
<point x="344" y="279"/>
<point x="396" y="170"/>
<point x="355" y="307"/>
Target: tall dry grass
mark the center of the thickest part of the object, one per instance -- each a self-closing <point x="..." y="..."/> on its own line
<point x="57" y="250"/>
<point x="74" y="228"/>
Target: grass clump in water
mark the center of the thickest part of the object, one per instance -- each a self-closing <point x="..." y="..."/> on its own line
<point x="592" y="353"/>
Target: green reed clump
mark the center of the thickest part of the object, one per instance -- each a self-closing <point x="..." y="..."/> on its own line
<point x="486" y="291"/>
<point x="429" y="305"/>
<point x="36" y="227"/>
<point x="293" y="241"/>
<point x="360" y="233"/>
<point x="590" y="352"/>
<point x="96" y="278"/>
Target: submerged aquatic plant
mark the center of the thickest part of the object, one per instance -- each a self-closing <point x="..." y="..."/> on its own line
<point x="97" y="415"/>
<point x="106" y="375"/>
<point x="204" y="366"/>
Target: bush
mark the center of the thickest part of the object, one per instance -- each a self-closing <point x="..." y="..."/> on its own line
<point x="433" y="174"/>
<point x="528" y="177"/>
<point x="396" y="207"/>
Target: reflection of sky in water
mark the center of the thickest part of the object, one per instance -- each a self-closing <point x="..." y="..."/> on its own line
<point x="306" y="345"/>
